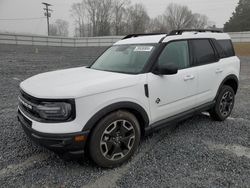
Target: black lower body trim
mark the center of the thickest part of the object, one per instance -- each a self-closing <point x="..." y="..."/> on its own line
<point x="177" y="118"/>
<point x="64" y="144"/>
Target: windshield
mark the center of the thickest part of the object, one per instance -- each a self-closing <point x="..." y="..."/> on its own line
<point x="124" y="58"/>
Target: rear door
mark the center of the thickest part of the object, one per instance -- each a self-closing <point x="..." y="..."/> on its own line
<point x="208" y="64"/>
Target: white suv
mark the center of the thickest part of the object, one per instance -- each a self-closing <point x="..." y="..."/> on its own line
<point x="141" y="83"/>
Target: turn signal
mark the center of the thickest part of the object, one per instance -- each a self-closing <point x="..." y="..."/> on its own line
<point x="80" y="138"/>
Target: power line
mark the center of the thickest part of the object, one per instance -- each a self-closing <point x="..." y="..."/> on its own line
<point x="16" y="19"/>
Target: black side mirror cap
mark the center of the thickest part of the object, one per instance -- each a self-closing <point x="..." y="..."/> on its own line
<point x="169" y="69"/>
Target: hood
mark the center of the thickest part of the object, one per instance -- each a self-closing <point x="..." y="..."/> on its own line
<point x="75" y="82"/>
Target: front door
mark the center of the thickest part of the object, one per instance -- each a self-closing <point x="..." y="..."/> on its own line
<point x="172" y="94"/>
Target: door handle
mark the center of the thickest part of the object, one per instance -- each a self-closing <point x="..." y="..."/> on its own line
<point x="189" y="77"/>
<point x="218" y="71"/>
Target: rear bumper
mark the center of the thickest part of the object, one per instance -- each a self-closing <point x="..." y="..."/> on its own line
<point x="60" y="143"/>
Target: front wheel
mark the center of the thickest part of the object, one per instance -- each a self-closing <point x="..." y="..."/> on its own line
<point x="224" y="104"/>
<point x="115" y="139"/>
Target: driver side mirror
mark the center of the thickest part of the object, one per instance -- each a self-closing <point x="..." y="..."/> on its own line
<point x="169" y="69"/>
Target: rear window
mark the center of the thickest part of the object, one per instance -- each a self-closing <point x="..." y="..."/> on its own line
<point x="203" y="52"/>
<point x="227" y="47"/>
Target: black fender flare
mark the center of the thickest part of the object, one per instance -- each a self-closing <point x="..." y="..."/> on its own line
<point x="229" y="77"/>
<point x="130" y="106"/>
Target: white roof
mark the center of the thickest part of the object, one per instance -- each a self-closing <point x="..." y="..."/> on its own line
<point x="186" y="35"/>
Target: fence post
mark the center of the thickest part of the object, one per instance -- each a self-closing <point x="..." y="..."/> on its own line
<point x="16" y="39"/>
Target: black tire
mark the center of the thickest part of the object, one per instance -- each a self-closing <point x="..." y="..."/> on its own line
<point x="224" y="104"/>
<point x="115" y="139"/>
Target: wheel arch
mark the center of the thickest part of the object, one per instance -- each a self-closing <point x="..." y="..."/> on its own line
<point x="232" y="81"/>
<point x="139" y="112"/>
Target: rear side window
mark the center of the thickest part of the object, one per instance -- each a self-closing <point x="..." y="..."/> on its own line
<point x="227" y="47"/>
<point x="203" y="52"/>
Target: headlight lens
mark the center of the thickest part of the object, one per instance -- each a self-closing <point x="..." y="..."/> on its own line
<point x="54" y="110"/>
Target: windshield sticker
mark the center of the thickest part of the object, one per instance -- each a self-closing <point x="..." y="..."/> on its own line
<point x="143" y="48"/>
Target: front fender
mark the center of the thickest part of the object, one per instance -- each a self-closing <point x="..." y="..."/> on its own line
<point x="114" y="107"/>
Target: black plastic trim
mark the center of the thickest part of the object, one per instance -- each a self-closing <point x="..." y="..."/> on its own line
<point x="117" y="106"/>
<point x="180" y="31"/>
<point x="59" y="143"/>
<point x="153" y="59"/>
<point x="142" y="34"/>
<point x="146" y="90"/>
<point x="229" y="77"/>
<point x="179" y="117"/>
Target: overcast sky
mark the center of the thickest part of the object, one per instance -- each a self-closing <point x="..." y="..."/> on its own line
<point x="218" y="11"/>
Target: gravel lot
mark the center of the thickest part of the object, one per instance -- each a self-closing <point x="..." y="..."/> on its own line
<point x="195" y="153"/>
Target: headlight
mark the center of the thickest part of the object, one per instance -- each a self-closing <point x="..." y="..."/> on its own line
<point x="54" y="110"/>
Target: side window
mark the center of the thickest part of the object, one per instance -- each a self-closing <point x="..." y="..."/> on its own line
<point x="175" y="53"/>
<point x="227" y="47"/>
<point x="203" y="52"/>
<point x="221" y="52"/>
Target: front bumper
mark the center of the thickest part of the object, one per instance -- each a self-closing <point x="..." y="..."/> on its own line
<point x="64" y="144"/>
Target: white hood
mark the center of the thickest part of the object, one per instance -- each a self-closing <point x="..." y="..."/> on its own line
<point x="75" y="82"/>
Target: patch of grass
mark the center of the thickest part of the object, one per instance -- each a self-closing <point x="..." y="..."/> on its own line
<point x="242" y="49"/>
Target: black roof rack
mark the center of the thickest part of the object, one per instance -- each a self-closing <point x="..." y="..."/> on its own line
<point x="142" y="34"/>
<point x="180" y="31"/>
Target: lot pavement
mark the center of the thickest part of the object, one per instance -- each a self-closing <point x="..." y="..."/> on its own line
<point x="195" y="153"/>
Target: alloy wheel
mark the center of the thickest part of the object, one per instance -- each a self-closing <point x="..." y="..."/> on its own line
<point x="226" y="103"/>
<point x="117" y="140"/>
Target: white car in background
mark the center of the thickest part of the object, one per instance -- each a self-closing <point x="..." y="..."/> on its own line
<point x="141" y="83"/>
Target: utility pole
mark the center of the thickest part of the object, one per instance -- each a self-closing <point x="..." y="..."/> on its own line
<point x="47" y="13"/>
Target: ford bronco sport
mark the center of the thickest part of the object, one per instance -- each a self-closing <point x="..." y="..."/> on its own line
<point x="142" y="83"/>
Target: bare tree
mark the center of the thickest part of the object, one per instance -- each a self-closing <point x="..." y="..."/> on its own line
<point x="92" y="10"/>
<point x="178" y="17"/>
<point x="92" y="17"/>
<point x="137" y="19"/>
<point x="104" y="17"/>
<point x="158" y="25"/>
<point x="53" y="30"/>
<point x="119" y="11"/>
<point x="59" y="28"/>
<point x="78" y="13"/>
<point x="200" y="21"/>
<point x="99" y="13"/>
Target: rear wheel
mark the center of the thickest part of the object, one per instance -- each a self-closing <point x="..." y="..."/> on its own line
<point x="224" y="104"/>
<point x="115" y="139"/>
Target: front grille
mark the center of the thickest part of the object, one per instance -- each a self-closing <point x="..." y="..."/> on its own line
<point x="24" y="120"/>
<point x="27" y="105"/>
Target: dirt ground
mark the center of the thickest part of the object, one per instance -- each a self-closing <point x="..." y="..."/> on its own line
<point x="242" y="49"/>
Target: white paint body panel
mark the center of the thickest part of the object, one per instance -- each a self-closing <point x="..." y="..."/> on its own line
<point x="177" y="94"/>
